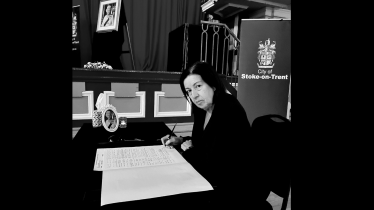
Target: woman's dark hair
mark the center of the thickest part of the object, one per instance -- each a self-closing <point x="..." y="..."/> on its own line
<point x="207" y="73"/>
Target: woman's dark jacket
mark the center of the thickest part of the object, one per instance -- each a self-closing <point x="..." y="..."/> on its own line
<point x="224" y="154"/>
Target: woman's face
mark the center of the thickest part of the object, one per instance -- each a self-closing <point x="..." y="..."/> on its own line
<point x="108" y="9"/>
<point x="199" y="92"/>
<point x="107" y="114"/>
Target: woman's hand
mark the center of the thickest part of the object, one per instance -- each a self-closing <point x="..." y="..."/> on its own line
<point x="173" y="141"/>
<point x="113" y="124"/>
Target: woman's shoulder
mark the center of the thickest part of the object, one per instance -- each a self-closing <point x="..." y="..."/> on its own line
<point x="228" y="98"/>
<point x="230" y="102"/>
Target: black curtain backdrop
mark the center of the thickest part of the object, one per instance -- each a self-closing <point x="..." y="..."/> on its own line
<point x="149" y="24"/>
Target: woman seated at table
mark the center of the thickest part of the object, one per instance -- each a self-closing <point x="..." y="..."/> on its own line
<point x="220" y="148"/>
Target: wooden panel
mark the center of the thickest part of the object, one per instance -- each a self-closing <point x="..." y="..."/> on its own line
<point x="101" y="75"/>
<point x="172" y="104"/>
<point x="80" y="105"/>
<point x="125" y="89"/>
<point x="97" y="88"/>
<point x="78" y="88"/>
<point x="125" y="104"/>
<point x="172" y="90"/>
<point x="99" y="81"/>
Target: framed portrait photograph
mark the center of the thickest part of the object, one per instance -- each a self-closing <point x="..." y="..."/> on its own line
<point x="109" y="118"/>
<point x="108" y="17"/>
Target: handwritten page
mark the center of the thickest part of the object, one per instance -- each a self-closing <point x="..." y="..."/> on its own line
<point x="161" y="179"/>
<point x="130" y="157"/>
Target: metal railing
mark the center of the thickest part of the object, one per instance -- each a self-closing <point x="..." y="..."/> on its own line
<point x="220" y="47"/>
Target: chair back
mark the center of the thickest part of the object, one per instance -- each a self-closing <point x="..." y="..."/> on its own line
<point x="272" y="136"/>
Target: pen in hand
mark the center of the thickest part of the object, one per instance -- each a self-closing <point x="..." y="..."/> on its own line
<point x="172" y="130"/>
<point x="162" y="140"/>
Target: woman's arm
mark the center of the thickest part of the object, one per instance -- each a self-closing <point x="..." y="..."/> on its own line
<point x="114" y="124"/>
<point x="103" y="22"/>
<point x="110" y="22"/>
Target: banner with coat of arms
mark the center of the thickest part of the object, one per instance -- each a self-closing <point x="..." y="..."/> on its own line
<point x="76" y="41"/>
<point x="264" y="66"/>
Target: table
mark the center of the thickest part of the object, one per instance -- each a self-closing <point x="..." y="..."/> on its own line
<point x="87" y="190"/>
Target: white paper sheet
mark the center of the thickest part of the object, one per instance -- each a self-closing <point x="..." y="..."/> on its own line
<point x="130" y="157"/>
<point x="136" y="183"/>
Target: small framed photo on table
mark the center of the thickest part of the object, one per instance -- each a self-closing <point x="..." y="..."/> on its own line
<point x="109" y="118"/>
<point x="108" y="18"/>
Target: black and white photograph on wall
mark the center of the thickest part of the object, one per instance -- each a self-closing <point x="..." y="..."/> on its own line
<point x="108" y="17"/>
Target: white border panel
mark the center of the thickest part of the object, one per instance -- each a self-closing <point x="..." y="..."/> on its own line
<point x="157" y="113"/>
<point x="140" y="114"/>
<point x="86" y="116"/>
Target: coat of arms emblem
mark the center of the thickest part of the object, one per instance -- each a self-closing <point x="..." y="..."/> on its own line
<point x="266" y="54"/>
